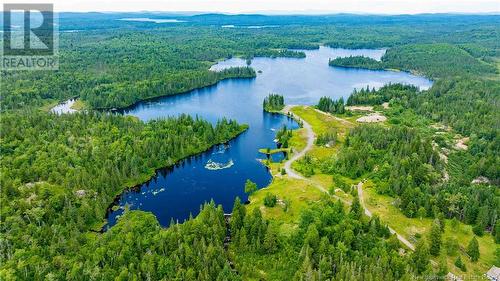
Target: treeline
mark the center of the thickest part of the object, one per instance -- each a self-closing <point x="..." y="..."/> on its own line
<point x="404" y="165"/>
<point x="329" y="244"/>
<point x="436" y="61"/>
<point x="365" y="96"/>
<point x="279" y="54"/>
<point x="356" y="62"/>
<point x="471" y="108"/>
<point x="60" y="173"/>
<point x="432" y="60"/>
<point x="273" y="103"/>
<point x="119" y="95"/>
<point x="283" y="136"/>
<point x="137" y="248"/>
<point x="329" y="105"/>
<point x="146" y="58"/>
<point x="400" y="155"/>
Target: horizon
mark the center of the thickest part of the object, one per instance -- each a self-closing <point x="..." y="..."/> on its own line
<point x="276" y="7"/>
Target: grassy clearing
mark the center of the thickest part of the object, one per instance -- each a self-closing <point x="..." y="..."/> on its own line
<point x="321" y="123"/>
<point x="296" y="194"/>
<point x="298" y="140"/>
<point x="411" y="228"/>
<point x="78" y="105"/>
<point x="293" y="195"/>
<point x="273" y="151"/>
<point x="48" y="106"/>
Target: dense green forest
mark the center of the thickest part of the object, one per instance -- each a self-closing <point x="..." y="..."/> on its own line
<point x="356" y="62"/>
<point x="329" y="244"/>
<point x="273" y="103"/>
<point x="367" y="96"/>
<point x="432" y="60"/>
<point x="144" y="60"/>
<point x="60" y="173"/>
<point x="329" y="105"/>
<point x="402" y="159"/>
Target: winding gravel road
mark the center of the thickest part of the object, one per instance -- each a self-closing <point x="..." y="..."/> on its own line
<point x="369" y="214"/>
<point x="311" y="137"/>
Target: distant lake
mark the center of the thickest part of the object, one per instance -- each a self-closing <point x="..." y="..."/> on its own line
<point x="153" y="20"/>
<point x="249" y="26"/>
<point x="177" y="192"/>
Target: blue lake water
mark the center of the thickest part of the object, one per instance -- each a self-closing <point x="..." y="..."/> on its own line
<point x="177" y="192"/>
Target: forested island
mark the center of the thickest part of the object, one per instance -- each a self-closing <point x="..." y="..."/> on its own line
<point x="273" y="103"/>
<point x="433" y="165"/>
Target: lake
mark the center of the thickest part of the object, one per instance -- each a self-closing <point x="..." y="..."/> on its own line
<point x="177" y="192"/>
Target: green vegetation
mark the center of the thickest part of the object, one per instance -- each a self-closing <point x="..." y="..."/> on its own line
<point x="436" y="61"/>
<point x="326" y="235"/>
<point x="435" y="238"/>
<point x="273" y="103"/>
<point x="385" y="94"/>
<point x="60" y="173"/>
<point x="250" y="187"/>
<point x="283" y="136"/>
<point x="329" y="138"/>
<point x="357" y="62"/>
<point x="329" y="105"/>
<point x="433" y="60"/>
<point x="473" y="250"/>
<point x="270" y="200"/>
<point x="269" y="151"/>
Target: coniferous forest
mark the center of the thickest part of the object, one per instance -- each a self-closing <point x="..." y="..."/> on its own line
<point x="60" y="173"/>
<point x="273" y="103"/>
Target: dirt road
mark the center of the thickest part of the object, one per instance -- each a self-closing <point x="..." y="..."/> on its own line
<point x="311" y="137"/>
<point x="369" y="214"/>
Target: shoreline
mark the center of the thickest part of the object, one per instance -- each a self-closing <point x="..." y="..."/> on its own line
<point x="154" y="171"/>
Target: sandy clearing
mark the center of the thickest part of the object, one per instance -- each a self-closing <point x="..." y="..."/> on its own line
<point x="360" y="108"/>
<point x="372" y="118"/>
<point x="461" y="144"/>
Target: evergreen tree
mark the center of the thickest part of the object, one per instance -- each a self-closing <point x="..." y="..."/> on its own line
<point x="435" y="238"/>
<point x="459" y="263"/>
<point x="421" y="256"/>
<point x="356" y="209"/>
<point x="473" y="250"/>
<point x="250" y="187"/>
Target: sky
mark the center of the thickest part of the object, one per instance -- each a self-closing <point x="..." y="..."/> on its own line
<point x="278" y="6"/>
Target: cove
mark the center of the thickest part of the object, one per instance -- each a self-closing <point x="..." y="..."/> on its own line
<point x="220" y="173"/>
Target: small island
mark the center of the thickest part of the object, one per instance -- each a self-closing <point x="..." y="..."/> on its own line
<point x="274" y="103"/>
<point x="357" y="62"/>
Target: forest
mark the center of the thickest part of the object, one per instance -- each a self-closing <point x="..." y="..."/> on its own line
<point x="331" y="243"/>
<point x="273" y="103"/>
<point x="404" y="163"/>
<point x="59" y="173"/>
<point x="329" y="105"/>
<point x="432" y="60"/>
